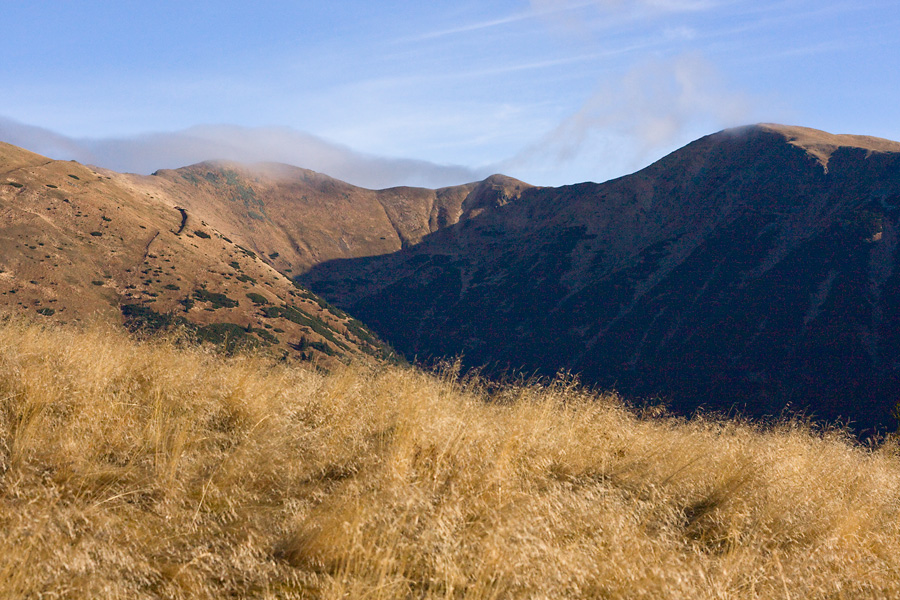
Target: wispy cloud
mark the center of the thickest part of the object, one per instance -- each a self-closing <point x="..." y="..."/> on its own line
<point x="586" y="19"/>
<point x="153" y="151"/>
<point x="470" y="27"/>
<point x="558" y="9"/>
<point x="652" y="108"/>
<point x="555" y="6"/>
<point x="538" y="8"/>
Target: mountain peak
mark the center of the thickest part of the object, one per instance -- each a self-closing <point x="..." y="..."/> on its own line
<point x="495" y="191"/>
<point x="731" y="274"/>
<point x="821" y="144"/>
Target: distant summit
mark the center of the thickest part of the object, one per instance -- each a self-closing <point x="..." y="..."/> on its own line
<point x="754" y="269"/>
<point x="821" y="144"/>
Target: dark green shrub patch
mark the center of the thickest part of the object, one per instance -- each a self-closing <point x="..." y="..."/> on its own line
<point x="257" y="299"/>
<point x="304" y="345"/>
<point x="143" y="318"/>
<point x="229" y="335"/>
<point x="301" y="317"/>
<point x="265" y="335"/>
<point x="216" y="299"/>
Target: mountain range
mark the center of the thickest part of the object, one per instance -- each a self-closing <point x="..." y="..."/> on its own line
<point x="80" y="244"/>
<point x="751" y="271"/>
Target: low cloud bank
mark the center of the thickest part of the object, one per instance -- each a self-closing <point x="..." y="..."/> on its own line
<point x="147" y="153"/>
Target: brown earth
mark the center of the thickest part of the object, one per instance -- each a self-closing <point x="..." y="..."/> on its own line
<point x="755" y="269"/>
<point x="80" y="244"/>
<point x="308" y="218"/>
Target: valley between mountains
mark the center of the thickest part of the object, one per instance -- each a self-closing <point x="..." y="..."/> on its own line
<point x="754" y="270"/>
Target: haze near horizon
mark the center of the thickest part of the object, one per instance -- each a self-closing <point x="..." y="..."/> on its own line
<point x="548" y="91"/>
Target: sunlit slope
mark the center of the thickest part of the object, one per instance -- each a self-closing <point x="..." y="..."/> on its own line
<point x="79" y="244"/>
<point x="305" y="218"/>
<point x="149" y="471"/>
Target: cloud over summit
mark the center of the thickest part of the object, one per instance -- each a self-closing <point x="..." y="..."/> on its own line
<point x="654" y="108"/>
<point x="150" y="152"/>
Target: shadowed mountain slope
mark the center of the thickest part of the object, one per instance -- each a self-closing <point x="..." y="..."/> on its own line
<point x="755" y="269"/>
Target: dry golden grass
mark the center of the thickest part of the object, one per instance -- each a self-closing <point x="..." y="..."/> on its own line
<point x="146" y="470"/>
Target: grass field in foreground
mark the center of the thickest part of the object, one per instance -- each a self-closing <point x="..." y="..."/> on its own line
<point x="150" y="470"/>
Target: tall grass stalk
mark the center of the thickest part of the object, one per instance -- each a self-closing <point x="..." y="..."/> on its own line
<point x="154" y="470"/>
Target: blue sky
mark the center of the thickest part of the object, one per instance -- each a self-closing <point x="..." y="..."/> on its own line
<point x="550" y="91"/>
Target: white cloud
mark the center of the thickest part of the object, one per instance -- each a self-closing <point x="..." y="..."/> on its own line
<point x="477" y="26"/>
<point x="681" y="5"/>
<point x="654" y="108"/>
<point x="149" y="152"/>
<point x="550" y="6"/>
<point x="586" y="19"/>
<point x="562" y="11"/>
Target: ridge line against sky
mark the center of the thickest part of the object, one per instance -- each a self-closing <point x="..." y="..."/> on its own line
<point x="548" y="91"/>
<point x="147" y="153"/>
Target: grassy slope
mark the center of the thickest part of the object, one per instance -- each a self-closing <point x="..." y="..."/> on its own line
<point x="82" y="245"/>
<point x="147" y="470"/>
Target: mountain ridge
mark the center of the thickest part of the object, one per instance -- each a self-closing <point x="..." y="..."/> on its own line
<point x="755" y="268"/>
<point x="79" y="244"/>
<point x="822" y="144"/>
<point x="309" y="217"/>
<point x="735" y="272"/>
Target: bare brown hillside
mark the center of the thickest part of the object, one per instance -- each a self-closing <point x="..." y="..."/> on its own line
<point x="755" y="269"/>
<point x="80" y="244"/>
<point x="822" y="145"/>
<point x="306" y="218"/>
